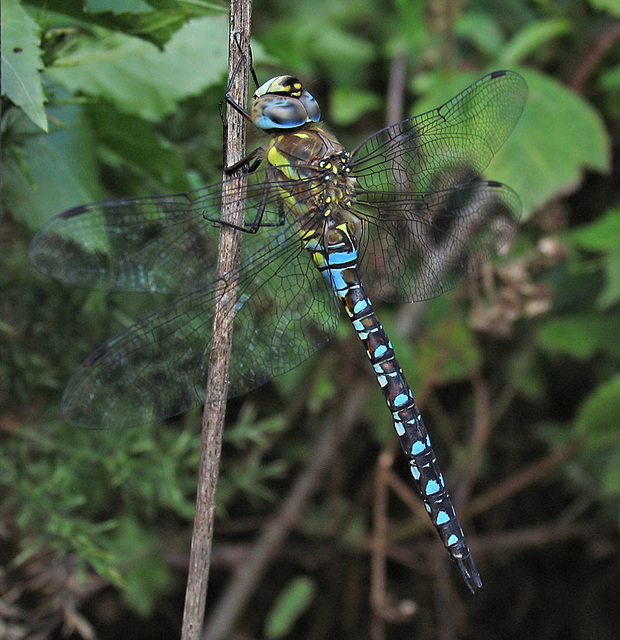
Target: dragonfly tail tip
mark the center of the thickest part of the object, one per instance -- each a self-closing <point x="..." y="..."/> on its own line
<point x="470" y="574"/>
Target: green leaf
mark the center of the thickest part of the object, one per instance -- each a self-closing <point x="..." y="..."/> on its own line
<point x="293" y="600"/>
<point x="153" y="20"/>
<point x="482" y="30"/>
<point x="118" y="6"/>
<point x="601" y="235"/>
<point x="143" y="568"/>
<point x="131" y="142"/>
<point x="611" y="6"/>
<point x="138" y="78"/>
<point x="598" y="415"/>
<point x="532" y="37"/>
<point x="197" y="7"/>
<point x="610" y="80"/>
<point x="46" y="174"/>
<point x="610" y="477"/>
<point x="21" y="62"/>
<point x="611" y="291"/>
<point x="449" y="347"/>
<point x="559" y="137"/>
<point x="343" y="51"/>
<point x="525" y="376"/>
<point x="412" y="33"/>
<point x="580" y="336"/>
<point x="347" y="104"/>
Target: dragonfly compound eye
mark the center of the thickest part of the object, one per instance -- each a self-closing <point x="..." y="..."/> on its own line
<point x="280" y="85"/>
<point x="282" y="103"/>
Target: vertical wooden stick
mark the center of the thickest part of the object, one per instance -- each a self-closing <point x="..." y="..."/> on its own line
<point x="233" y="209"/>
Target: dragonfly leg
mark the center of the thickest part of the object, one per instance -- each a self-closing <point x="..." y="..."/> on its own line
<point x="257" y="223"/>
<point x="227" y="96"/>
<point x="250" y="161"/>
<point x="228" y="99"/>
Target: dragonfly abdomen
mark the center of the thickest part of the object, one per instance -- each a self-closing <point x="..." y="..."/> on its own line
<point x="338" y="264"/>
<point x="412" y="433"/>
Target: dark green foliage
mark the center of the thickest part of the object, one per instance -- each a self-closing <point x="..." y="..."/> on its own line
<point x="517" y="373"/>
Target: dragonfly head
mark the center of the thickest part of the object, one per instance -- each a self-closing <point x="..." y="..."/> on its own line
<point x="283" y="103"/>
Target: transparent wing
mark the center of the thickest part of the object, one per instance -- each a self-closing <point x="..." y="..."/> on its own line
<point x="164" y="244"/>
<point x="428" y="218"/>
<point x="417" y="247"/>
<point x="158" y="367"/>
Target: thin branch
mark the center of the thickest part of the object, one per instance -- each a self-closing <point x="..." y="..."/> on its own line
<point x="219" y="361"/>
<point x="478" y="442"/>
<point x="243" y="584"/>
<point x="378" y="564"/>
<point x="524" y="478"/>
<point x="596" y="52"/>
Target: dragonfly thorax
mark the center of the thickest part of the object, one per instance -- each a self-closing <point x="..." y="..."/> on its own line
<point x="283" y="103"/>
<point x="339" y="184"/>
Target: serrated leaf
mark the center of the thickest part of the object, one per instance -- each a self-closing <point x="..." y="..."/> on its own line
<point x="293" y="600"/>
<point x="153" y="20"/>
<point x="598" y="415"/>
<point x="559" y="137"/>
<point x="138" y="78"/>
<point x="21" y="62"/>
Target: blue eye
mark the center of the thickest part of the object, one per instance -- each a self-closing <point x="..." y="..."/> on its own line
<point x="275" y="111"/>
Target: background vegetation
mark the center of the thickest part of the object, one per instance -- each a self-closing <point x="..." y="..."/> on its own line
<point x="516" y="372"/>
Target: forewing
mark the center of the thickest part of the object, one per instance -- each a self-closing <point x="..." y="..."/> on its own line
<point x="428" y="218"/>
<point x="453" y="142"/>
<point x="165" y="244"/>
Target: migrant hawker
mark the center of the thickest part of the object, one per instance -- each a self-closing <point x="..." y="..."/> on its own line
<point x="404" y="217"/>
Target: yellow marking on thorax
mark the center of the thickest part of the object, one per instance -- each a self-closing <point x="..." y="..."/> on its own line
<point x="318" y="258"/>
<point x="274" y="157"/>
<point x="307" y="234"/>
<point x="343" y="227"/>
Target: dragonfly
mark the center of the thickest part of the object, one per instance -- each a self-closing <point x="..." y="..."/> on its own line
<point x="403" y="217"/>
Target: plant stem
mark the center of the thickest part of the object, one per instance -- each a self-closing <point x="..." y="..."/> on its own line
<point x="233" y="209"/>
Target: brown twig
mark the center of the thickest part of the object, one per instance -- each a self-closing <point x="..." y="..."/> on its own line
<point x="478" y="442"/>
<point x="525" y="478"/>
<point x="397" y="80"/>
<point x="221" y="343"/>
<point x="596" y="51"/>
<point x="243" y="584"/>
<point x="535" y="537"/>
<point x="378" y="581"/>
